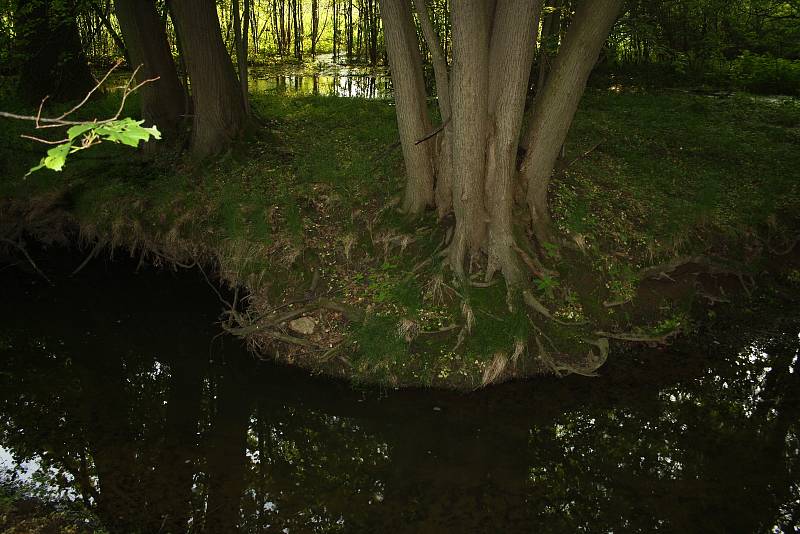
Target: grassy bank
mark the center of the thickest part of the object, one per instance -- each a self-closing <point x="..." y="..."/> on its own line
<point x="301" y="215"/>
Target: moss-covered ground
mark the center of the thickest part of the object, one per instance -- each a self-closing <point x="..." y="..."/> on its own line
<point x="301" y="216"/>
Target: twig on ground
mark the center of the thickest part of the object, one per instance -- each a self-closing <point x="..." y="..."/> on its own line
<point x="585" y="154"/>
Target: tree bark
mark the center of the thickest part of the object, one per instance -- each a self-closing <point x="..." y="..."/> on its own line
<point x="493" y="44"/>
<point x="410" y="100"/>
<point x="444" y="161"/>
<point x="240" y="25"/>
<point x="314" y="26"/>
<point x="219" y="110"/>
<point x="511" y="56"/>
<point x="470" y="101"/>
<point x="555" y="107"/>
<point x="163" y="101"/>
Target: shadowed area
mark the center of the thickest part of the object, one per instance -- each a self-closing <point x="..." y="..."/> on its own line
<point x="122" y="394"/>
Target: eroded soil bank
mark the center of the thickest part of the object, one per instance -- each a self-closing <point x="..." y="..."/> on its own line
<point x="673" y="205"/>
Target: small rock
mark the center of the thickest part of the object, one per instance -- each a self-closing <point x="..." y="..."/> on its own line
<point x="303" y="325"/>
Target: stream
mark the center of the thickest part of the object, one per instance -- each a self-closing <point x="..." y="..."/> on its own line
<point x="117" y="388"/>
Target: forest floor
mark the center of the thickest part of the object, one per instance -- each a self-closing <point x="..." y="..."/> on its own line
<point x="676" y="203"/>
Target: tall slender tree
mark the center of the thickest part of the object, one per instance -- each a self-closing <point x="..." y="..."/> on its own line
<point x="409" y="94"/>
<point x="241" y="23"/>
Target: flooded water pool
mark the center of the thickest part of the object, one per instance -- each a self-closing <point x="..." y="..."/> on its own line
<point x="120" y="390"/>
<point x="322" y="77"/>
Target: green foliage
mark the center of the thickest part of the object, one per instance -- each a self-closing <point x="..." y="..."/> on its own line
<point x="767" y="74"/>
<point x="547" y="285"/>
<point x="676" y="172"/>
<point x="378" y="342"/>
<point x="82" y="136"/>
<point x="742" y="44"/>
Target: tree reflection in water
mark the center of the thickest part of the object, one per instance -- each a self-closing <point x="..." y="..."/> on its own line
<point x="118" y="388"/>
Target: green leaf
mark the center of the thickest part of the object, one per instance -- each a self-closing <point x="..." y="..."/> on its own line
<point x="55" y="158"/>
<point x="79" y="129"/>
<point x="127" y="131"/>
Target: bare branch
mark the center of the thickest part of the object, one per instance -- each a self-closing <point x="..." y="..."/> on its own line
<point x="63" y="119"/>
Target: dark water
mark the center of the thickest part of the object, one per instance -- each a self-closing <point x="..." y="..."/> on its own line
<point x="115" y="384"/>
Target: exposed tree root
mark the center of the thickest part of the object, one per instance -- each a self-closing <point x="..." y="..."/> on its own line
<point x="787" y="250"/>
<point x="615" y="303"/>
<point x="494" y="369"/>
<point x="538" y="307"/>
<point x="562" y="368"/>
<point x="640" y="338"/>
<point x="97" y="247"/>
<point x="662" y="270"/>
<point x="24" y="252"/>
<point x="270" y="324"/>
<point x="535" y="267"/>
<point x="442" y="330"/>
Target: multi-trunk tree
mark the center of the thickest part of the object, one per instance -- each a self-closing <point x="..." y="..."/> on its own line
<point x="218" y="100"/>
<point x="472" y="167"/>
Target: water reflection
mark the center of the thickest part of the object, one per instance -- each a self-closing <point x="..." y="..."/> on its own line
<point x="118" y="388"/>
<point x="323" y="77"/>
<point x="356" y="86"/>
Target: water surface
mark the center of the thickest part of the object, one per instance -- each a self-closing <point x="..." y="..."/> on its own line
<point x="322" y="77"/>
<point x="119" y="386"/>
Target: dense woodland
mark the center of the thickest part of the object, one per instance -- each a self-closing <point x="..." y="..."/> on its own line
<point x="677" y="36"/>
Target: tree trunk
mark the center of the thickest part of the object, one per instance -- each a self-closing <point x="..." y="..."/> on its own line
<point x="493" y="44"/>
<point x="240" y="24"/>
<point x="247" y="14"/>
<point x="51" y="56"/>
<point x="444" y="163"/>
<point x="349" y="29"/>
<point x="219" y="110"/>
<point x="470" y="100"/>
<point x="314" y="26"/>
<point x="335" y="30"/>
<point x="409" y="94"/>
<point x="515" y="22"/>
<point x="551" y="28"/>
<point x="556" y="105"/>
<point x="163" y="101"/>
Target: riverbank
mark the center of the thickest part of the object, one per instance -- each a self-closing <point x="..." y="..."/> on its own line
<point x="674" y="202"/>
